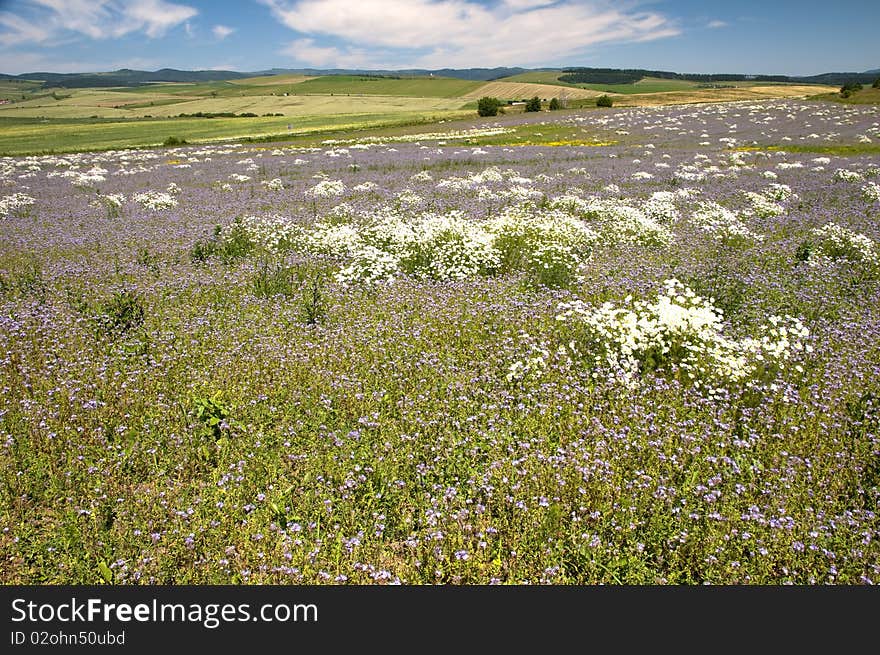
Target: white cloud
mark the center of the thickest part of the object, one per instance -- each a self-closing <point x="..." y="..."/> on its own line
<point x="21" y="31"/>
<point x="221" y="31"/>
<point x="42" y="21"/>
<point x="439" y="33"/>
<point x="29" y="62"/>
<point x="715" y="24"/>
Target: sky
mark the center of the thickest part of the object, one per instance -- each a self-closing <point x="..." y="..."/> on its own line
<point x="786" y="37"/>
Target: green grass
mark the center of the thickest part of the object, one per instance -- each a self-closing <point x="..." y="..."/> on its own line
<point x="19" y="136"/>
<point x="867" y="96"/>
<point x="834" y="149"/>
<point x="423" y="87"/>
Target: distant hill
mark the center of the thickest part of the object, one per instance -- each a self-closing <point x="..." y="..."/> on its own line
<point x="129" y="77"/>
<point x="125" y="77"/>
<point x="632" y="75"/>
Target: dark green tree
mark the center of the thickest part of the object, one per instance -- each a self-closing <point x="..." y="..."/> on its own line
<point x="488" y="106"/>
<point x="534" y="104"/>
<point x="604" y="101"/>
<point x="554" y="104"/>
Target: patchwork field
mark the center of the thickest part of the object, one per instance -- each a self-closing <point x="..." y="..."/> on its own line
<point x="524" y="90"/>
<point x="627" y="346"/>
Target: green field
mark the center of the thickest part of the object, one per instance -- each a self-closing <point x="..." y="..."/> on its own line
<point x="39" y="119"/>
<point x="32" y="135"/>
<point x="867" y="96"/>
<point x="645" y="85"/>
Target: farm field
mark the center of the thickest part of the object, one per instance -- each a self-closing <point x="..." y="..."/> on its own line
<point x="627" y="346"/>
<point x="64" y="120"/>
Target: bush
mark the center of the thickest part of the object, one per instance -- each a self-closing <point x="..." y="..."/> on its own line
<point x="488" y="106"/>
<point x="849" y="88"/>
<point x="120" y="313"/>
<point x="876" y="83"/>
<point x="554" y="104"/>
<point x="604" y="101"/>
<point x="534" y="104"/>
<point x="172" y="141"/>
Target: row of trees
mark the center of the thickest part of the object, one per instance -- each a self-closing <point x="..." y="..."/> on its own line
<point x="489" y="106"/>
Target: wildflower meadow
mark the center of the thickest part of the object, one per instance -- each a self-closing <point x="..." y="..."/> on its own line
<point x="643" y="351"/>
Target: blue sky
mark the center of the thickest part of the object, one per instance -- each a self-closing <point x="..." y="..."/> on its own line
<point x="784" y="37"/>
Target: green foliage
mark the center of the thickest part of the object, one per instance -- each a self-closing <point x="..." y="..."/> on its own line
<point x="148" y="260"/>
<point x="229" y="246"/>
<point x="534" y="104"/>
<point x="173" y="141"/>
<point x="804" y="251"/>
<point x="876" y="84"/>
<point x="28" y="281"/>
<point x="313" y="303"/>
<point x="120" y="313"/>
<point x="604" y="101"/>
<point x="488" y="106"/>
<point x="554" y="104"/>
<point x="212" y="412"/>
<point x="272" y="279"/>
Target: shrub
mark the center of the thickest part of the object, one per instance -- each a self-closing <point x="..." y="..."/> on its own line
<point x="554" y="104"/>
<point x="172" y="141"/>
<point x="123" y="311"/>
<point x="313" y="305"/>
<point x="534" y="104"/>
<point x="272" y="280"/>
<point x="488" y="106"/>
<point x="213" y="412"/>
<point x="604" y="101"/>
<point x="876" y="84"/>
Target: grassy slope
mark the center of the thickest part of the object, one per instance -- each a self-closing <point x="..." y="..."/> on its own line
<point x="20" y="136"/>
<point x="867" y="96"/>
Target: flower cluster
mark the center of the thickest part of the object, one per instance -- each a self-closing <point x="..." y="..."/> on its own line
<point x="834" y="242"/>
<point x="155" y="200"/>
<point x="327" y="189"/>
<point x="272" y="233"/>
<point x="722" y="224"/>
<point x="274" y="184"/>
<point x="679" y="334"/>
<point x="13" y="203"/>
<point x="112" y="202"/>
<point x="871" y="192"/>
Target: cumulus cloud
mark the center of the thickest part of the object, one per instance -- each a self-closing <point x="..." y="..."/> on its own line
<point x="41" y="21"/>
<point x="221" y="31"/>
<point x="437" y="33"/>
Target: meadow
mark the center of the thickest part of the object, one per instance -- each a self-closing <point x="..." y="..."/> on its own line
<point x="621" y="346"/>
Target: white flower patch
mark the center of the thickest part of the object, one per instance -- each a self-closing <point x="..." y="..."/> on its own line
<point x="871" y="192"/>
<point x="762" y="206"/>
<point x="112" y="202"/>
<point x="844" y="175"/>
<point x="680" y="334"/>
<point x="835" y="242"/>
<point x="155" y="200"/>
<point x="409" y="198"/>
<point x="275" y="184"/>
<point x="238" y="177"/>
<point x="327" y="189"/>
<point x="14" y="203"/>
<point x="619" y="222"/>
<point x="722" y="223"/>
<point x="272" y="233"/>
